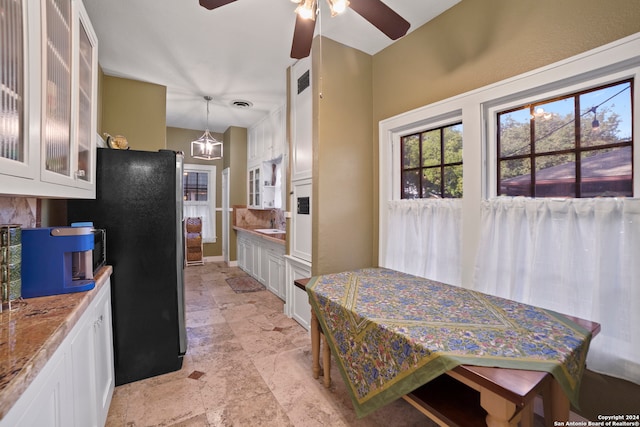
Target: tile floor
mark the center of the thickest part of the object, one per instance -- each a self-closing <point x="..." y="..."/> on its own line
<point x="248" y="364"/>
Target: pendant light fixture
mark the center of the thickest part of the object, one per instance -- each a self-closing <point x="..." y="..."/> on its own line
<point x="206" y="147"/>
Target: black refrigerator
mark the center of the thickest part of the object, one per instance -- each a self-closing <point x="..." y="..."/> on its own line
<point x="139" y="204"/>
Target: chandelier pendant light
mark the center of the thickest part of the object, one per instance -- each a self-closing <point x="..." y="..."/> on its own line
<point x="206" y="147"/>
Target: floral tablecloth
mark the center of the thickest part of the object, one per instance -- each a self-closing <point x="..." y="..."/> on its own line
<point x="392" y="332"/>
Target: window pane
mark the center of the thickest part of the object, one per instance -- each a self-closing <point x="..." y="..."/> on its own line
<point x="431" y="183"/>
<point x="410" y="184"/>
<point x="555" y="125"/>
<point x="556" y="176"/>
<point x="606" y="173"/>
<point x="515" y="177"/>
<point x="431" y="148"/>
<point x="410" y="151"/>
<point x="453" y="144"/>
<point x="196" y="186"/>
<point x="453" y="181"/>
<point x="514" y="132"/>
<point x="423" y="178"/>
<point x="594" y="126"/>
<point x="606" y="115"/>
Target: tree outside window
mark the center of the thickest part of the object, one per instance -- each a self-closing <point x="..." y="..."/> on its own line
<point x="579" y="145"/>
<point x="432" y="163"/>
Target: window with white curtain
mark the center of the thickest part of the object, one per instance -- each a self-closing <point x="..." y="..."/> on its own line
<point x="199" y="197"/>
<point x="576" y="256"/>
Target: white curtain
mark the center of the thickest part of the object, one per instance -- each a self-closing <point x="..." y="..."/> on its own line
<point x="424" y="238"/>
<point x="575" y="256"/>
<point x="194" y="210"/>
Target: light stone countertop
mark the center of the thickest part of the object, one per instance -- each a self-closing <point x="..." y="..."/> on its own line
<point x="31" y="333"/>
<point x="277" y="238"/>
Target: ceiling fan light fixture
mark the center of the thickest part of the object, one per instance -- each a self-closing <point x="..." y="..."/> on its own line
<point x="307" y="9"/>
<point x="338" y="6"/>
<point x="206" y="147"/>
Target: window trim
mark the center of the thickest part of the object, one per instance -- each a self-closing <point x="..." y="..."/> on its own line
<point x="211" y="170"/>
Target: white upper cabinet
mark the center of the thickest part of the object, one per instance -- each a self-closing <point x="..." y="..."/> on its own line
<point x="267" y="138"/>
<point x="301" y="110"/>
<point x="265" y="164"/>
<point x="47" y="146"/>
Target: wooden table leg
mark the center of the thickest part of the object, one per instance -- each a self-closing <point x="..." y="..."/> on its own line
<point x="558" y="405"/>
<point x="526" y="419"/>
<point x="500" y="412"/>
<point x="315" y="344"/>
<point x="326" y="361"/>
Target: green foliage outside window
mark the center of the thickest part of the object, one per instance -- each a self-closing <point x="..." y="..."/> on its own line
<point x="432" y="163"/>
<point x="575" y="146"/>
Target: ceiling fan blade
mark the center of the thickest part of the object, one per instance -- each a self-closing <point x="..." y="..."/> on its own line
<point x="302" y="37"/>
<point x="212" y="4"/>
<point x="382" y="17"/>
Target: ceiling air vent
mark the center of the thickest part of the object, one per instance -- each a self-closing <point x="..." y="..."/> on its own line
<point x="241" y="103"/>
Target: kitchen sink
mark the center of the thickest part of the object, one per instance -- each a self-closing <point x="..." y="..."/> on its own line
<point x="269" y="231"/>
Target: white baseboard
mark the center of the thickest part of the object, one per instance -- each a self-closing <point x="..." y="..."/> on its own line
<point x="220" y="258"/>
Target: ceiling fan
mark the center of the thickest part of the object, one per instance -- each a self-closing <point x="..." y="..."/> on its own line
<point x="376" y="12"/>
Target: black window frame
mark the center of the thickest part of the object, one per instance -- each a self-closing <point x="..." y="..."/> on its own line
<point x="577" y="150"/>
<point x="441" y="165"/>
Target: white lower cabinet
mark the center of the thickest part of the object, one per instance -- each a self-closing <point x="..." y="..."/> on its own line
<point x="75" y="386"/>
<point x="104" y="366"/>
<point x="297" y="306"/>
<point x="92" y="363"/>
<point x="263" y="260"/>
<point x="47" y="401"/>
<point x="275" y="276"/>
<point x="242" y="251"/>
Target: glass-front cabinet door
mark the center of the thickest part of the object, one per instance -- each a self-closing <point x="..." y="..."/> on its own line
<point x="86" y="126"/>
<point x="256" y="186"/>
<point x="12" y="81"/>
<point x="69" y="82"/>
<point x="15" y="157"/>
<point x="48" y="98"/>
<point x="251" y="189"/>
<point x="56" y="123"/>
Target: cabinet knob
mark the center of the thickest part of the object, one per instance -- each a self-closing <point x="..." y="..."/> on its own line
<point x="80" y="173"/>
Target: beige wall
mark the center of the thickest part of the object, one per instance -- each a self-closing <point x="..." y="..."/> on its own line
<point x="136" y="110"/>
<point x="342" y="164"/>
<point x="476" y="43"/>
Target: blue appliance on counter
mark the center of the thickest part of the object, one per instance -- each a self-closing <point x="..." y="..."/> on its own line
<point x="57" y="260"/>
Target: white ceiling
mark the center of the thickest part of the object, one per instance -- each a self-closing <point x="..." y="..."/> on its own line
<point x="238" y="51"/>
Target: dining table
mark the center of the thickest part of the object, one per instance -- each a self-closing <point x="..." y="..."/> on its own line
<point x="459" y="356"/>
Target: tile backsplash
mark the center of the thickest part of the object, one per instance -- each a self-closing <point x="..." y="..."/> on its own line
<point x="255" y="218"/>
<point x="19" y="210"/>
